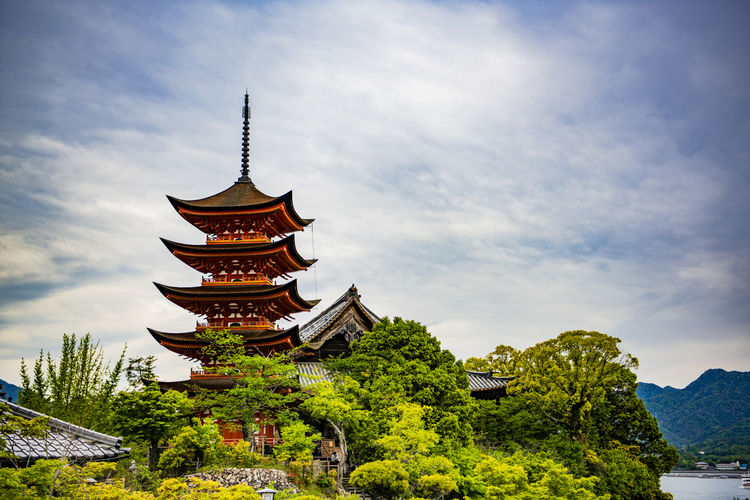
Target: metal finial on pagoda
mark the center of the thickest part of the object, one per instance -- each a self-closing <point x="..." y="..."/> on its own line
<point x="245" y="171"/>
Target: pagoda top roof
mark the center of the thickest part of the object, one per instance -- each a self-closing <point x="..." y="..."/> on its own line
<point x="64" y="440"/>
<point x="240" y="194"/>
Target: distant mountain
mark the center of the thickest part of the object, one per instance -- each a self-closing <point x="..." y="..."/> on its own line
<point x="10" y="390"/>
<point x="713" y="407"/>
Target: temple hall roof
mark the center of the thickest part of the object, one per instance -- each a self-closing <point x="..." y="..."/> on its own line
<point x="64" y="440"/>
<point x="318" y="324"/>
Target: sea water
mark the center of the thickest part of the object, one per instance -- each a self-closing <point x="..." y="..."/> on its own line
<point x="697" y="488"/>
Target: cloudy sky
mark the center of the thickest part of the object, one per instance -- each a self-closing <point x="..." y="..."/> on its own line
<point x="499" y="171"/>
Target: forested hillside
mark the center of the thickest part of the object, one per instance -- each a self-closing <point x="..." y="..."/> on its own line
<point x="712" y="410"/>
<point x="10" y="390"/>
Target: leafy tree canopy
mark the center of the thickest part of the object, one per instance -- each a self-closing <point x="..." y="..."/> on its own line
<point x="398" y="362"/>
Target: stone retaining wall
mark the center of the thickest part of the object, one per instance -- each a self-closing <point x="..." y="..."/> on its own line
<point x="257" y="478"/>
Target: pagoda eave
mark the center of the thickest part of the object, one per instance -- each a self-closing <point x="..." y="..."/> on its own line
<point x="255" y="341"/>
<point x="278" y="258"/>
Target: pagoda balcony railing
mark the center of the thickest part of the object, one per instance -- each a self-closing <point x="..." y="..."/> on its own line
<point x="221" y="239"/>
<point x="235" y="324"/>
<point x="252" y="279"/>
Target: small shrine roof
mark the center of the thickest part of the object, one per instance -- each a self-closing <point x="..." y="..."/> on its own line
<point x="313" y="372"/>
<point x="313" y="327"/>
<point x="485" y="381"/>
<point x="64" y="440"/>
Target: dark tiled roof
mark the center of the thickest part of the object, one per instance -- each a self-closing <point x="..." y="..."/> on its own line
<point x="64" y="440"/>
<point x="311" y="373"/>
<point x="484" y="381"/>
<point x="312" y="328"/>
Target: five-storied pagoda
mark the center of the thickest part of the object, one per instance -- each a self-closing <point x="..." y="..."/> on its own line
<point x="247" y="260"/>
<point x="248" y="249"/>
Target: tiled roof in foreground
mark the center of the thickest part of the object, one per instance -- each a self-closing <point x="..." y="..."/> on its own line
<point x="64" y="440"/>
<point x="310" y="373"/>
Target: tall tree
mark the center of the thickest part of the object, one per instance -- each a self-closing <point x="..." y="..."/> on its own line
<point x="400" y="362"/>
<point x="151" y="415"/>
<point x="566" y="377"/>
<point x="337" y="404"/>
<point x="78" y="388"/>
<point x="140" y="369"/>
<point x="263" y="386"/>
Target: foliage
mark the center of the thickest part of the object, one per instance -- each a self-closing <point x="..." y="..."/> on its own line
<point x="296" y="448"/>
<point x="150" y="415"/>
<point x="78" y="389"/>
<point x="264" y="386"/>
<point x="398" y="362"/>
<point x="337" y="404"/>
<point x="622" y="419"/>
<point x="502" y="360"/>
<point x="575" y="398"/>
<point x="199" y="443"/>
<point x="624" y="477"/>
<point x="566" y="377"/>
<point x="532" y="476"/>
<point x="385" y="478"/>
<point x="140" y="369"/>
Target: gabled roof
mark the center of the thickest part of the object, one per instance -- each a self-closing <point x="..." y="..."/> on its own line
<point x="317" y="325"/>
<point x="64" y="440"/>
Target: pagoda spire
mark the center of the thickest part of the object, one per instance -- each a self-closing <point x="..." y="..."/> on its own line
<point x="245" y="171"/>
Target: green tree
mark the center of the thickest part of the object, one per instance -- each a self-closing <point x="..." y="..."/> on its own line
<point x="263" y="386"/>
<point x="140" y="369"/>
<point x="199" y="443"/>
<point x="622" y="419"/>
<point x="531" y="476"/>
<point x="78" y="388"/>
<point x="337" y="404"/>
<point x="383" y="478"/>
<point x="566" y="377"/>
<point x="296" y="448"/>
<point x="150" y="415"/>
<point x="398" y="362"/>
<point x="501" y="361"/>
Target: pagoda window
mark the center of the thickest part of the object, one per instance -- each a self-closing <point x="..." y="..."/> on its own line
<point x="235" y="324"/>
